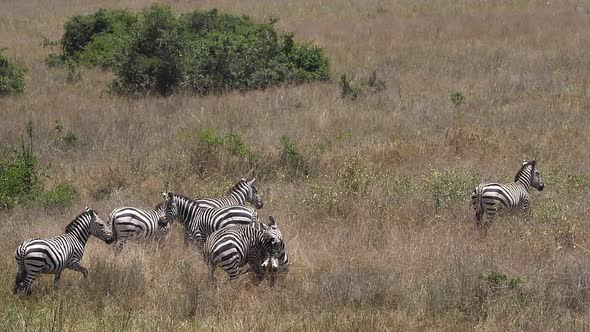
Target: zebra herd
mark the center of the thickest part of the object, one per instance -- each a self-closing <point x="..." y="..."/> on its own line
<point x="225" y="230"/>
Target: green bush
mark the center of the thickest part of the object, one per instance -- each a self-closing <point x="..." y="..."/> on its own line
<point x="457" y="98"/>
<point x="159" y="51"/>
<point x="82" y="31"/>
<point x="18" y="179"/>
<point x="292" y="159"/>
<point x="12" y="80"/>
<point x="63" y="195"/>
<point x="449" y="187"/>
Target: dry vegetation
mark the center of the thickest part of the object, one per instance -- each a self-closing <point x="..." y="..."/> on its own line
<point x="380" y="234"/>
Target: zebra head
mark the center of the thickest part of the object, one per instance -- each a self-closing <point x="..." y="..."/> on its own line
<point x="170" y="209"/>
<point x="529" y="175"/>
<point x="98" y="228"/>
<point x="252" y="195"/>
<point x="273" y="234"/>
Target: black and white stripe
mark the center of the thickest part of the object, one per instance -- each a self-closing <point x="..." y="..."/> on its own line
<point x="129" y="223"/>
<point x="233" y="247"/>
<point x="490" y="197"/>
<point x="200" y="222"/>
<point x="282" y="257"/>
<point x="242" y="192"/>
<point x="53" y="255"/>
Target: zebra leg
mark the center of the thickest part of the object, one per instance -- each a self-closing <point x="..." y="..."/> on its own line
<point x="77" y="267"/>
<point x="24" y="284"/>
<point x="56" y="279"/>
<point x="119" y="246"/>
<point x="258" y="274"/>
<point x="20" y="278"/>
<point x="527" y="211"/>
<point x="211" y="267"/>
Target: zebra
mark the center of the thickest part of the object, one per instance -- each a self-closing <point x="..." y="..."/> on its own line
<point x="234" y="247"/>
<point x="490" y="197"/>
<point x="53" y="255"/>
<point x="129" y="223"/>
<point x="282" y="257"/>
<point x="200" y="222"/>
<point x="243" y="191"/>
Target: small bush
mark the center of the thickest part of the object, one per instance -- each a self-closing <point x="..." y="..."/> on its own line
<point x="355" y="175"/>
<point x="235" y="144"/>
<point x="457" y="98"/>
<point x="351" y="88"/>
<point x="292" y="159"/>
<point x="12" y="80"/>
<point x="65" y="138"/>
<point x="63" y="195"/>
<point x="449" y="187"/>
<point x="18" y="178"/>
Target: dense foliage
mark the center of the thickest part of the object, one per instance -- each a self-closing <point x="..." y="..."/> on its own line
<point x="160" y="51"/>
<point x="12" y="79"/>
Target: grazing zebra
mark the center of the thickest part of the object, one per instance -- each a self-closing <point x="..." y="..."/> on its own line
<point x="490" y="197"/>
<point x="283" y="258"/>
<point x="200" y="222"/>
<point x="242" y="192"/>
<point x="129" y="223"/>
<point x="234" y="247"/>
<point x="53" y="255"/>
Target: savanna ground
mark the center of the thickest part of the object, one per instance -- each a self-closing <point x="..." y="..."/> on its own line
<point x="380" y="233"/>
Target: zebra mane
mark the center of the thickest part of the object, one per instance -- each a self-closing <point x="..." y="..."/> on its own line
<point x="81" y="217"/>
<point x="237" y="185"/>
<point x="523" y="168"/>
<point x="159" y="206"/>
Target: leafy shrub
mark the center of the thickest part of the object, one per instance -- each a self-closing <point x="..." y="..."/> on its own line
<point x="158" y="51"/>
<point x="12" y="79"/>
<point x="83" y="30"/>
<point x="292" y="159"/>
<point x="66" y="138"/>
<point x="150" y="60"/>
<point x="63" y="195"/>
<point x="235" y="144"/>
<point x="449" y="187"/>
<point x="355" y="175"/>
<point x="18" y="179"/>
<point x="457" y="98"/>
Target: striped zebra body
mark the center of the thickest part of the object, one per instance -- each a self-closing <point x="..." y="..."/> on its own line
<point x="129" y="223"/>
<point x="53" y="255"/>
<point x="233" y="247"/>
<point x="200" y="222"/>
<point x="242" y="192"/>
<point x="488" y="199"/>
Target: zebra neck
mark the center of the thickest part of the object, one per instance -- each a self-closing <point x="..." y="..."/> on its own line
<point x="80" y="233"/>
<point x="237" y="198"/>
<point x="186" y="209"/>
<point x="524" y="178"/>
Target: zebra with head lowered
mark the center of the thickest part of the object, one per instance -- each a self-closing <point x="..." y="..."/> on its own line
<point x="233" y="247"/>
<point x="490" y="197"/>
<point x="201" y="222"/>
<point x="53" y="255"/>
<point x="129" y="223"/>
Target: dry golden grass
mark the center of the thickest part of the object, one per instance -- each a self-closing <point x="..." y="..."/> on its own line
<point x="380" y="259"/>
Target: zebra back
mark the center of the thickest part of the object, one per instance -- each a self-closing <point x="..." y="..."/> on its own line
<point x="243" y="191"/>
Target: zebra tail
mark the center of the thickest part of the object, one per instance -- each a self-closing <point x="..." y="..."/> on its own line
<point x="20" y="260"/>
<point x="478" y="204"/>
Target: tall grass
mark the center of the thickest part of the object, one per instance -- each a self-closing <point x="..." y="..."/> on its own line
<point x="380" y="231"/>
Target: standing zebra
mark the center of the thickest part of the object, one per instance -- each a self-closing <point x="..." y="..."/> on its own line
<point x="488" y="198"/>
<point x="234" y="247"/>
<point x="200" y="222"/>
<point x="242" y="192"/>
<point x="53" y="255"/>
<point x="129" y="223"/>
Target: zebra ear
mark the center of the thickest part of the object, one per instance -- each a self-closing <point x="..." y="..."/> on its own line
<point x="164" y="194"/>
<point x="532" y="163"/>
<point x="251" y="182"/>
<point x="272" y="221"/>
